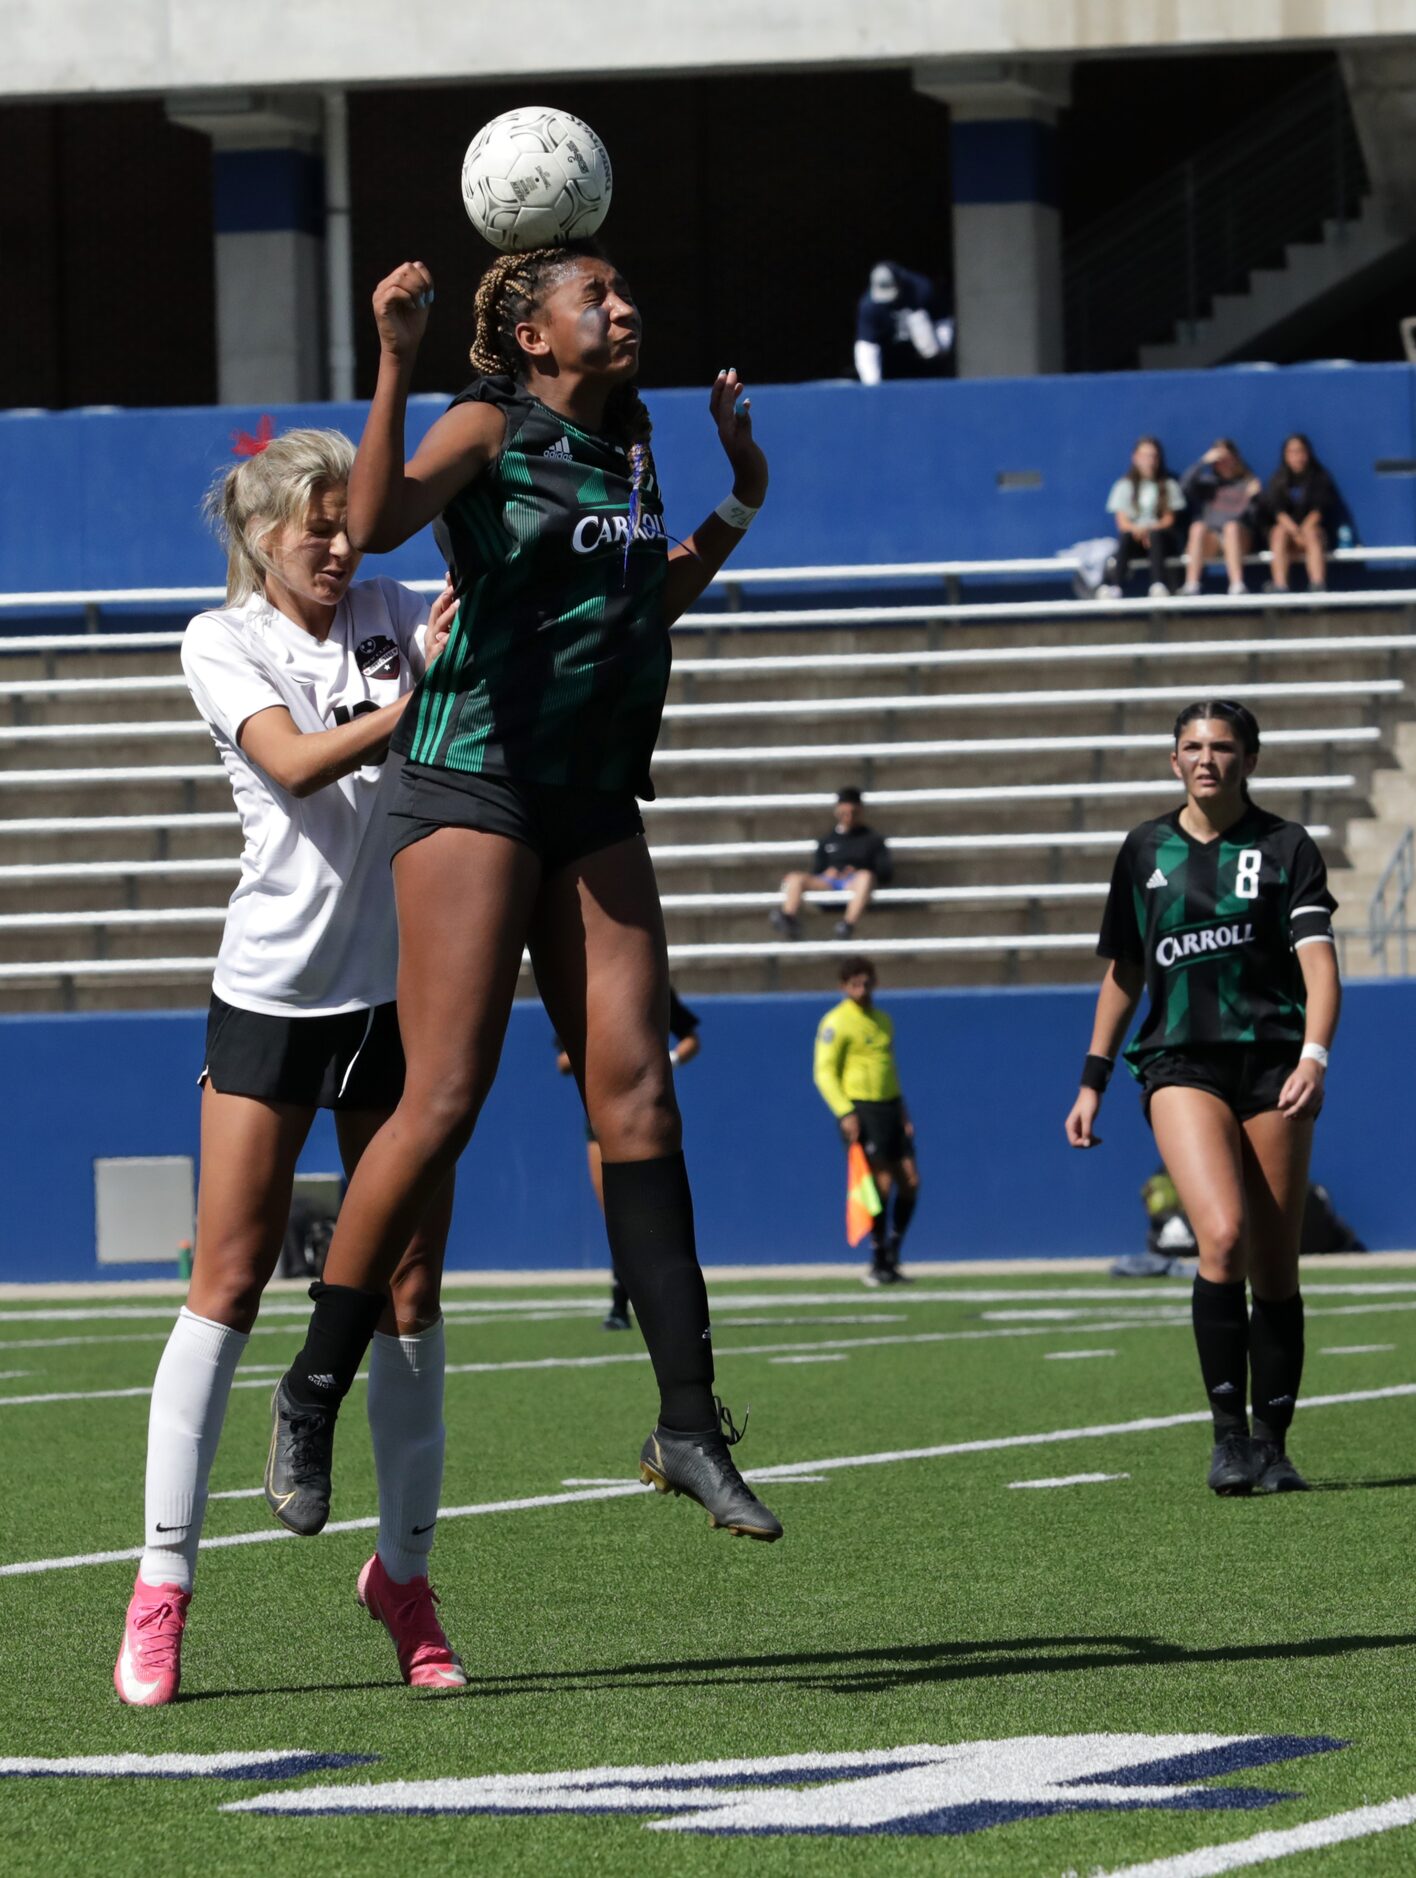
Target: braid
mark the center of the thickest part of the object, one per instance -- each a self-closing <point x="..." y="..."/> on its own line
<point x="511" y="288"/>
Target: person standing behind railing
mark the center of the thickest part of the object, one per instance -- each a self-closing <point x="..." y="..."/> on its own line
<point x="1219" y="491"/>
<point x="1299" y="501"/>
<point x="1145" y="502"/>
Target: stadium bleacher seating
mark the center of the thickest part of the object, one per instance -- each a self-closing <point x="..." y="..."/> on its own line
<point x="1004" y="745"/>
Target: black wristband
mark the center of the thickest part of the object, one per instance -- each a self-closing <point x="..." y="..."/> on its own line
<point x="1096" y="1073"/>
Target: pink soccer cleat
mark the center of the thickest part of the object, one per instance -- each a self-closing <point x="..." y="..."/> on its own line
<point x="149" y="1666"/>
<point x="426" y="1659"/>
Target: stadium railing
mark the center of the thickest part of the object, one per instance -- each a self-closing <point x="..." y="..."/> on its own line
<point x="872" y="760"/>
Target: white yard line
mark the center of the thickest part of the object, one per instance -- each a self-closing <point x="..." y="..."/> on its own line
<point x="1356" y="1349"/>
<point x="609" y="1359"/>
<point x="1068" y="1480"/>
<point x="832" y="1356"/>
<point x="1336" y="1829"/>
<point x="1117" y="1297"/>
<point x="1072" y="1356"/>
<point x="238" y="1493"/>
<point x="785" y="1471"/>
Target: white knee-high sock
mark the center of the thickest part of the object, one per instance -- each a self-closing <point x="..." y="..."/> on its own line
<point x="189" y="1395"/>
<point x="406" y="1422"/>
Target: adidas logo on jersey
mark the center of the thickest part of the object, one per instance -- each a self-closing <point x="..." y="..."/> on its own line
<point x="1157" y="879"/>
<point x="561" y="448"/>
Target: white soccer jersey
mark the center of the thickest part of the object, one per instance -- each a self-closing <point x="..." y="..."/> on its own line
<point x="310" y="930"/>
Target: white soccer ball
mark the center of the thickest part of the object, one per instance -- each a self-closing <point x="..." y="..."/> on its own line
<point x="534" y="177"/>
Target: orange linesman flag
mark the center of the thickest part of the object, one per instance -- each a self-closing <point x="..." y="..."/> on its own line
<point x="862" y="1196"/>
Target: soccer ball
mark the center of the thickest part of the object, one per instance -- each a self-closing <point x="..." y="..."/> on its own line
<point x="534" y="177"/>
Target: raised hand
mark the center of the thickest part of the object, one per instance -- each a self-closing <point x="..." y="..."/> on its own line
<point x="401" y="302"/>
<point x="732" y="413"/>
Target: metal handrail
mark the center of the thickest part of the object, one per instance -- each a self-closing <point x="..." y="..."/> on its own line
<point x="1202" y="228"/>
<point x="1389" y="922"/>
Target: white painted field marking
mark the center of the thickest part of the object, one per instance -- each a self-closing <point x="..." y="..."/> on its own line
<point x="532" y="1363"/>
<point x="1072" y="1356"/>
<point x="9" y="1375"/>
<point x="1336" y="1829"/>
<point x="253" y="1764"/>
<point x="238" y="1493"/>
<point x="455" y="1309"/>
<point x="784" y="1471"/>
<point x="1067" y="1480"/>
<point x="1355" y="1349"/>
<point x="831" y="1356"/>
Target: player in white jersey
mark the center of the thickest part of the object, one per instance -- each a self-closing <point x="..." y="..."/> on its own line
<point x="301" y="678"/>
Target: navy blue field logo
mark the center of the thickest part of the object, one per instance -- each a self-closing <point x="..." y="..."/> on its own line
<point x="964" y="1788"/>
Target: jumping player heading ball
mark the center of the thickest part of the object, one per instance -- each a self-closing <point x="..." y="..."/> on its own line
<point x="514" y="823"/>
<point x="1222" y="912"/>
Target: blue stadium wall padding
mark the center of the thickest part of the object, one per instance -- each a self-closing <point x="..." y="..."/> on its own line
<point x="989" y="1076"/>
<point x="896" y="473"/>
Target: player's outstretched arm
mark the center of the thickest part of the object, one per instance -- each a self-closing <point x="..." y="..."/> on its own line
<point x="694" y="562"/>
<point x="388" y="500"/>
<point x="1115" y="1006"/>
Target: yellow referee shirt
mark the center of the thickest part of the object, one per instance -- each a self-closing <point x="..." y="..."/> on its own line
<point x="855" y="1057"/>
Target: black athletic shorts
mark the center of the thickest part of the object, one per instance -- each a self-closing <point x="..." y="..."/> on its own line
<point x="1248" y="1076"/>
<point x="351" y="1061"/>
<point x="557" y="822"/>
<point x="882" y="1132"/>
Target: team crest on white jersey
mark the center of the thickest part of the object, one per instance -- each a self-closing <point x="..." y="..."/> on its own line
<point x="920" y="1790"/>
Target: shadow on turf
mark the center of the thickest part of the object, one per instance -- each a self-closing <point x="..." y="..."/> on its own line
<point x="854" y="1672"/>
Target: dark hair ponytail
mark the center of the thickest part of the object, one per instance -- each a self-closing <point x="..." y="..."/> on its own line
<point x="1239" y="717"/>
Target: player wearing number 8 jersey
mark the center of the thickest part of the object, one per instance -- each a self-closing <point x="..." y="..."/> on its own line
<point x="1221" y="911"/>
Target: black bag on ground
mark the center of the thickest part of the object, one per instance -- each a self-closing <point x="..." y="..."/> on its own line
<point x="307" y="1236"/>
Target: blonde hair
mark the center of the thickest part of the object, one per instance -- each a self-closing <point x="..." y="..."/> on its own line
<point x="276" y="486"/>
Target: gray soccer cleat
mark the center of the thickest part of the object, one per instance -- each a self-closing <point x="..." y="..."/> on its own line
<point x="297" y="1467"/>
<point x="1232" y="1469"/>
<point x="1274" y="1472"/>
<point x="700" y="1466"/>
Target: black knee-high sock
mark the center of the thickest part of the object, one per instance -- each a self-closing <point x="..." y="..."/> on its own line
<point x="1276" y="1360"/>
<point x="905" y="1198"/>
<point x="649" y="1219"/>
<point x="1221" y="1319"/>
<point x="341" y="1329"/>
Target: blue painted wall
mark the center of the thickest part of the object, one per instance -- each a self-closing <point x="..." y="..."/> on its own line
<point x="989" y="1076"/>
<point x="900" y="472"/>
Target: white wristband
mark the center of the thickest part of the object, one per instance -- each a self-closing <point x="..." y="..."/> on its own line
<point x="736" y="514"/>
<point x="1313" y="1053"/>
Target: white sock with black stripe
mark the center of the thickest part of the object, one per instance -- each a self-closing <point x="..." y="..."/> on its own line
<point x="189" y="1395"/>
<point x="406" y="1422"/>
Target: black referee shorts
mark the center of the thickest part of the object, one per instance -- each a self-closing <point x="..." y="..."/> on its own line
<point x="882" y="1132"/>
<point x="350" y="1061"/>
<point x="560" y="823"/>
<point x="1248" y="1076"/>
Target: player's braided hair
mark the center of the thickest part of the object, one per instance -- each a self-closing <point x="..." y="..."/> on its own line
<point x="510" y="290"/>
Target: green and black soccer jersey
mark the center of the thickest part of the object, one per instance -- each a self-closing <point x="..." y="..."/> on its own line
<point x="1216" y="926"/>
<point x="557" y="665"/>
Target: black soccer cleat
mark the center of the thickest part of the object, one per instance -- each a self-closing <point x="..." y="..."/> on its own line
<point x="700" y="1466"/>
<point x="298" y="1465"/>
<point x="1232" y="1466"/>
<point x="616" y="1319"/>
<point x="1274" y="1472"/>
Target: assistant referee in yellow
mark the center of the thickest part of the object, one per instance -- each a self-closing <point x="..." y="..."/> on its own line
<point x="855" y="1072"/>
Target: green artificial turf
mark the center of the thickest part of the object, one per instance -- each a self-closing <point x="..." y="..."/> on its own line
<point x="915" y="1601"/>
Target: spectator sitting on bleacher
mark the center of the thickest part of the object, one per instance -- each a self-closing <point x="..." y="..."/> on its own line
<point x="1298" y="505"/>
<point x="852" y="859"/>
<point x="1145" y="502"/>
<point x="1219" y="492"/>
